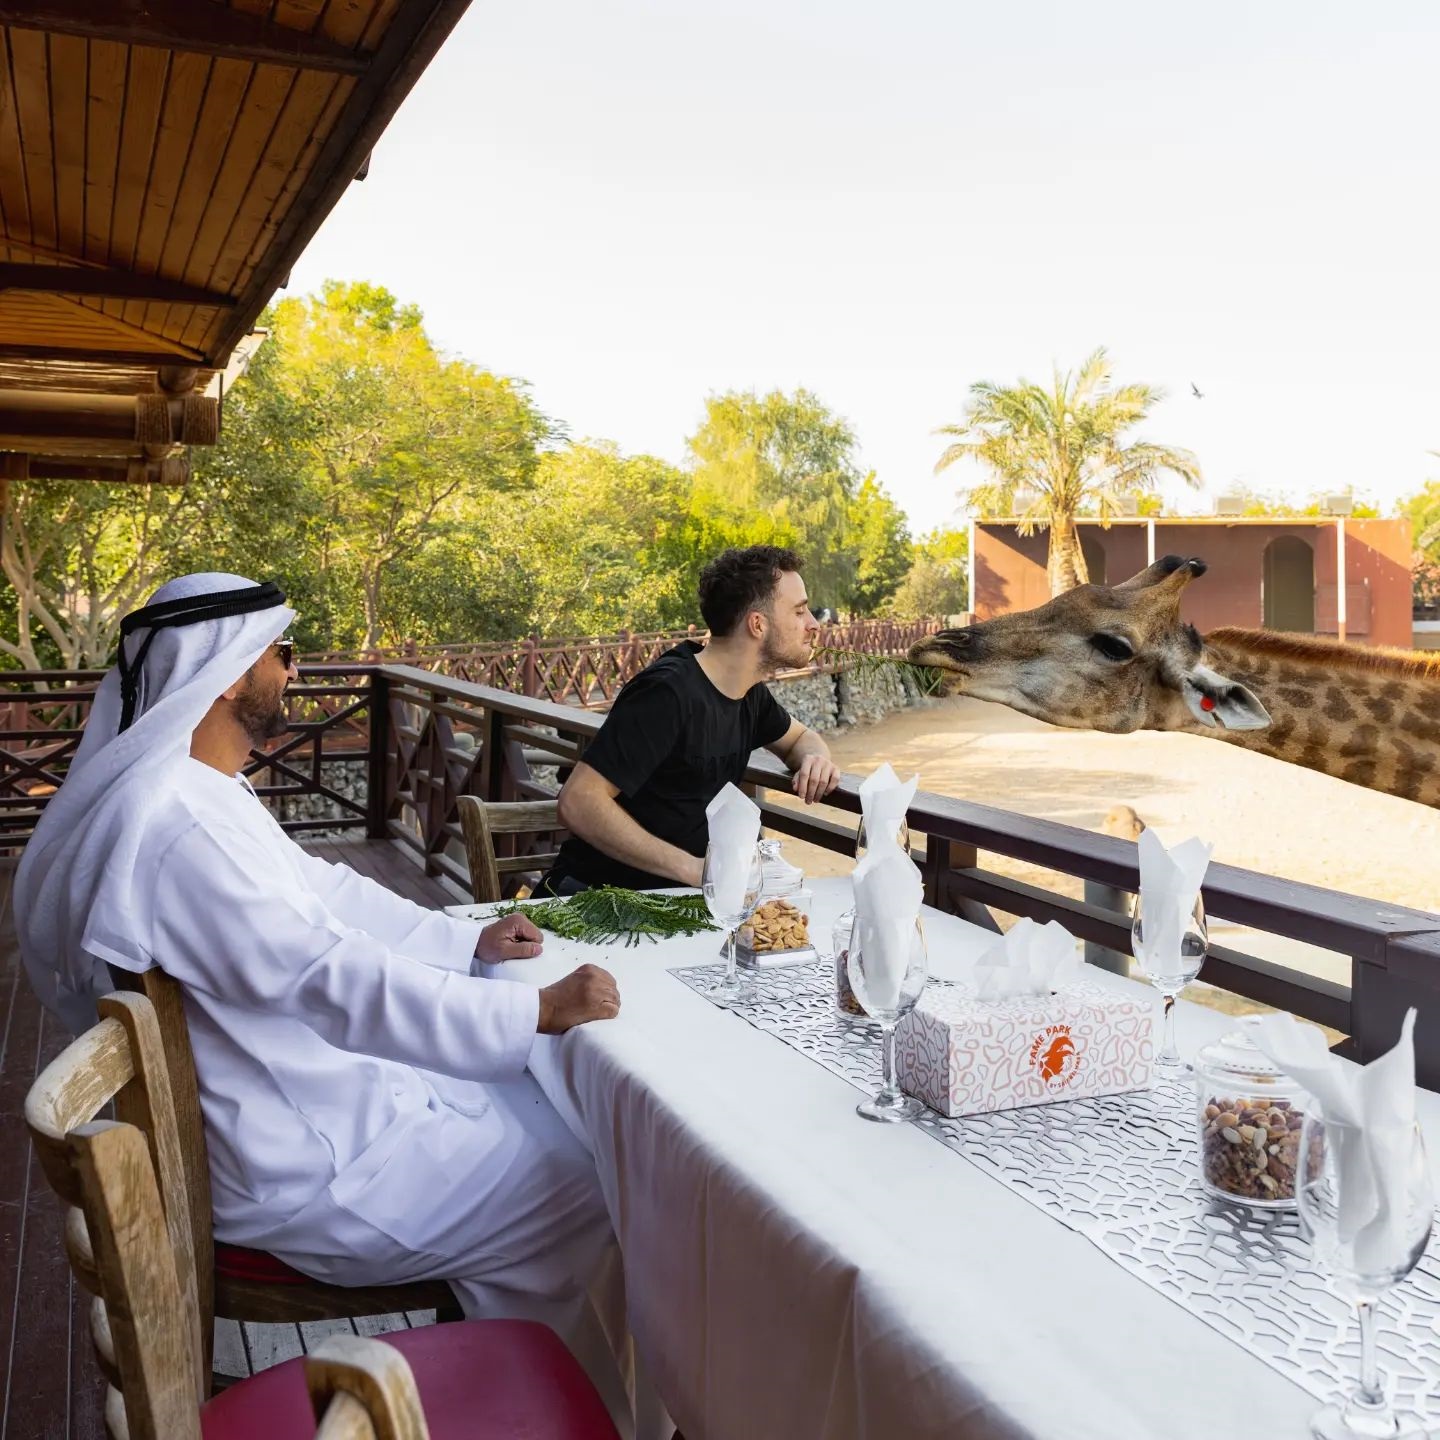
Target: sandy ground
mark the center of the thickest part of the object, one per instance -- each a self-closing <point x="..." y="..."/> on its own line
<point x="1261" y="814"/>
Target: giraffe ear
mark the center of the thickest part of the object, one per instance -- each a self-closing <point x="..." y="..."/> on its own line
<point x="1211" y="698"/>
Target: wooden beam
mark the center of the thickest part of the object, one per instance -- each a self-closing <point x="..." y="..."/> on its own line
<point x="147" y="358"/>
<point x="202" y="27"/>
<point x="111" y="469"/>
<point x="410" y="42"/>
<point x="124" y="419"/>
<point x="110" y="284"/>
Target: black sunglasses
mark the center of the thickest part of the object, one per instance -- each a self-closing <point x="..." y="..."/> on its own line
<point x="286" y="651"/>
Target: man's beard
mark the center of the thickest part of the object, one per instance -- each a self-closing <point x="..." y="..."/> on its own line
<point x="262" y="715"/>
<point x="773" y="659"/>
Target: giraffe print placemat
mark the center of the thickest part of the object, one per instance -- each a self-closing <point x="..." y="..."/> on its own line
<point x="1122" y="1171"/>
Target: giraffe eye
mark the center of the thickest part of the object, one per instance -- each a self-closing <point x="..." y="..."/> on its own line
<point x="1112" y="647"/>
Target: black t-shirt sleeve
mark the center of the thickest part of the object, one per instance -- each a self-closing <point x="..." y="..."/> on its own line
<point x="772" y="720"/>
<point x="639" y="732"/>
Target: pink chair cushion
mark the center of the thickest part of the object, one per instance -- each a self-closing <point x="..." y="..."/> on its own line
<point x="478" y="1380"/>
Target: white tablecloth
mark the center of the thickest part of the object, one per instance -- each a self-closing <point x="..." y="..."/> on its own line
<point x="795" y="1271"/>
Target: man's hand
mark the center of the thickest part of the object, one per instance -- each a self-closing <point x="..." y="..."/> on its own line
<point x="588" y="993"/>
<point x="513" y="938"/>
<point x="817" y="776"/>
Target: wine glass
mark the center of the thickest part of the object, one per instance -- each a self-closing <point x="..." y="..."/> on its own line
<point x="730" y="906"/>
<point x="1169" y="972"/>
<point x="862" y="843"/>
<point x="1359" y="1277"/>
<point x="887" y="986"/>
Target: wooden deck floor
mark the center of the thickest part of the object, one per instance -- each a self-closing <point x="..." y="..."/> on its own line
<point x="53" y="1388"/>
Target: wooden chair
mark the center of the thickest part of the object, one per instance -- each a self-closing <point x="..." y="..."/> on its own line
<point x="238" y="1283"/>
<point x="129" y="1239"/>
<point x="481" y="821"/>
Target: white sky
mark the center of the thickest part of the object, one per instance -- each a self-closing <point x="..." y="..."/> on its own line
<point x="634" y="203"/>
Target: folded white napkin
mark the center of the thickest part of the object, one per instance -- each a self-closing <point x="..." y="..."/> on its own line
<point x="888" y="895"/>
<point x="734" y="821"/>
<point x="1170" y="880"/>
<point x="884" y="801"/>
<point x="1369" y="1115"/>
<point x="1029" y="959"/>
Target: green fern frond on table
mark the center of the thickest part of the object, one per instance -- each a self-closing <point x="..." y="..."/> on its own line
<point x="927" y="680"/>
<point x="610" y="913"/>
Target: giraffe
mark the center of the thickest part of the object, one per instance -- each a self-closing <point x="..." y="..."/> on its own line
<point x="1120" y="659"/>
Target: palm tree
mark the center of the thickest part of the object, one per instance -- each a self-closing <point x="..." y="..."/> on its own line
<point x="1059" y="450"/>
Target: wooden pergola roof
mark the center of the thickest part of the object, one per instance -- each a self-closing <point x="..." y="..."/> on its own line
<point x="162" y="165"/>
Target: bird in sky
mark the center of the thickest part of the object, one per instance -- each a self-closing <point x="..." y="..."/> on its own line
<point x="1199" y="394"/>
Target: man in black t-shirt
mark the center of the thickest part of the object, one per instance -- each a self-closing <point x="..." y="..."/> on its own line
<point x="683" y="727"/>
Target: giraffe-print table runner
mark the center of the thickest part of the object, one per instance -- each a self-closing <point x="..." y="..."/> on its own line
<point x="1122" y="1170"/>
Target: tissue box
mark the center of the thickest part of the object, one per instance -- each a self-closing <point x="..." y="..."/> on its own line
<point x="963" y="1056"/>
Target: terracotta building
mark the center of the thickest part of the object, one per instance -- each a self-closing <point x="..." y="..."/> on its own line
<point x="1282" y="574"/>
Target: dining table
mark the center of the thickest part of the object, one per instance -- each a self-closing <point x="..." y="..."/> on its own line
<point x="795" y="1271"/>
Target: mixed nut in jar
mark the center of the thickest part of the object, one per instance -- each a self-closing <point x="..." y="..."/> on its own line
<point x="1249" y="1115"/>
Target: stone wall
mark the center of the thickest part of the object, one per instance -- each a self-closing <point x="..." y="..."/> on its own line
<point x="850" y="697"/>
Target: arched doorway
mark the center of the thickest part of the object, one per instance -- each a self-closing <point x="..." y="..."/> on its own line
<point x="1094" y="553"/>
<point x="1289" y="584"/>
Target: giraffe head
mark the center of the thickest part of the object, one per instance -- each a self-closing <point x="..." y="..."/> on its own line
<point x="1098" y="657"/>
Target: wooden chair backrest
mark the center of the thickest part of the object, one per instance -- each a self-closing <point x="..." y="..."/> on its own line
<point x="166" y="1000"/>
<point x="481" y="821"/>
<point x="129" y="1247"/>
<point x="127" y="1233"/>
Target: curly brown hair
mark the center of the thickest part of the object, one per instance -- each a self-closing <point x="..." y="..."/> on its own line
<point x="738" y="581"/>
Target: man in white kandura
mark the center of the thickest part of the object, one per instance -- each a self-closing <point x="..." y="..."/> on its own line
<point x="361" y="1063"/>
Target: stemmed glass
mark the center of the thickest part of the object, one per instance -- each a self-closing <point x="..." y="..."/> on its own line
<point x="727" y="990"/>
<point x="862" y="843"/>
<point x="1170" y="973"/>
<point x="1366" y="1411"/>
<point x="886" y="992"/>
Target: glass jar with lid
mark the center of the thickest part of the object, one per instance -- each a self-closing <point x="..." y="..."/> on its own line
<point x="1248" y="1119"/>
<point x="847" y="1007"/>
<point x="778" y="875"/>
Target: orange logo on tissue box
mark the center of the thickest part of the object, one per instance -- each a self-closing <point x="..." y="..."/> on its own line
<point x="1055" y="1056"/>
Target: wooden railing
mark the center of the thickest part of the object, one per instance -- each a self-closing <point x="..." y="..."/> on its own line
<point x="590" y="671"/>
<point x="422" y="740"/>
<point x="449" y="738"/>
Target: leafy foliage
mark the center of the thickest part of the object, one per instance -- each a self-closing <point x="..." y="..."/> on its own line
<point x="1049" y="452"/>
<point x="610" y="913"/>
<point x="937" y="582"/>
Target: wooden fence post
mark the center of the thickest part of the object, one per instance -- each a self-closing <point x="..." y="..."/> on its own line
<point x="530" y="669"/>
<point x="381" y="773"/>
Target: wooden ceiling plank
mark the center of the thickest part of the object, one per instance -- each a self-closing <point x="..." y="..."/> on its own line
<point x="69" y="71"/>
<point x="215" y="128"/>
<point x="14" y="200"/>
<point x="410" y="43"/>
<point x="185" y="87"/>
<point x="382" y="15"/>
<point x="106" y="112"/>
<point x="265" y="103"/>
<point x="202" y="27"/>
<point x="30" y="65"/>
<point x="308" y="112"/>
<point x="134" y="336"/>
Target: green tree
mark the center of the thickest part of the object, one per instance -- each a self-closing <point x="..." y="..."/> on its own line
<point x="395" y="443"/>
<point x="937" y="582"/>
<point x="1061" y="449"/>
<point x="880" y="536"/>
<point x="1423" y="512"/>
<point x="789" y="457"/>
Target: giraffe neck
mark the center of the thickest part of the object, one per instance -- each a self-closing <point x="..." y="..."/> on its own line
<point x="1368" y="716"/>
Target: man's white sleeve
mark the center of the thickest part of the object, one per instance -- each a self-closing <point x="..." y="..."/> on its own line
<point x="428" y="935"/>
<point x="231" y="922"/>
